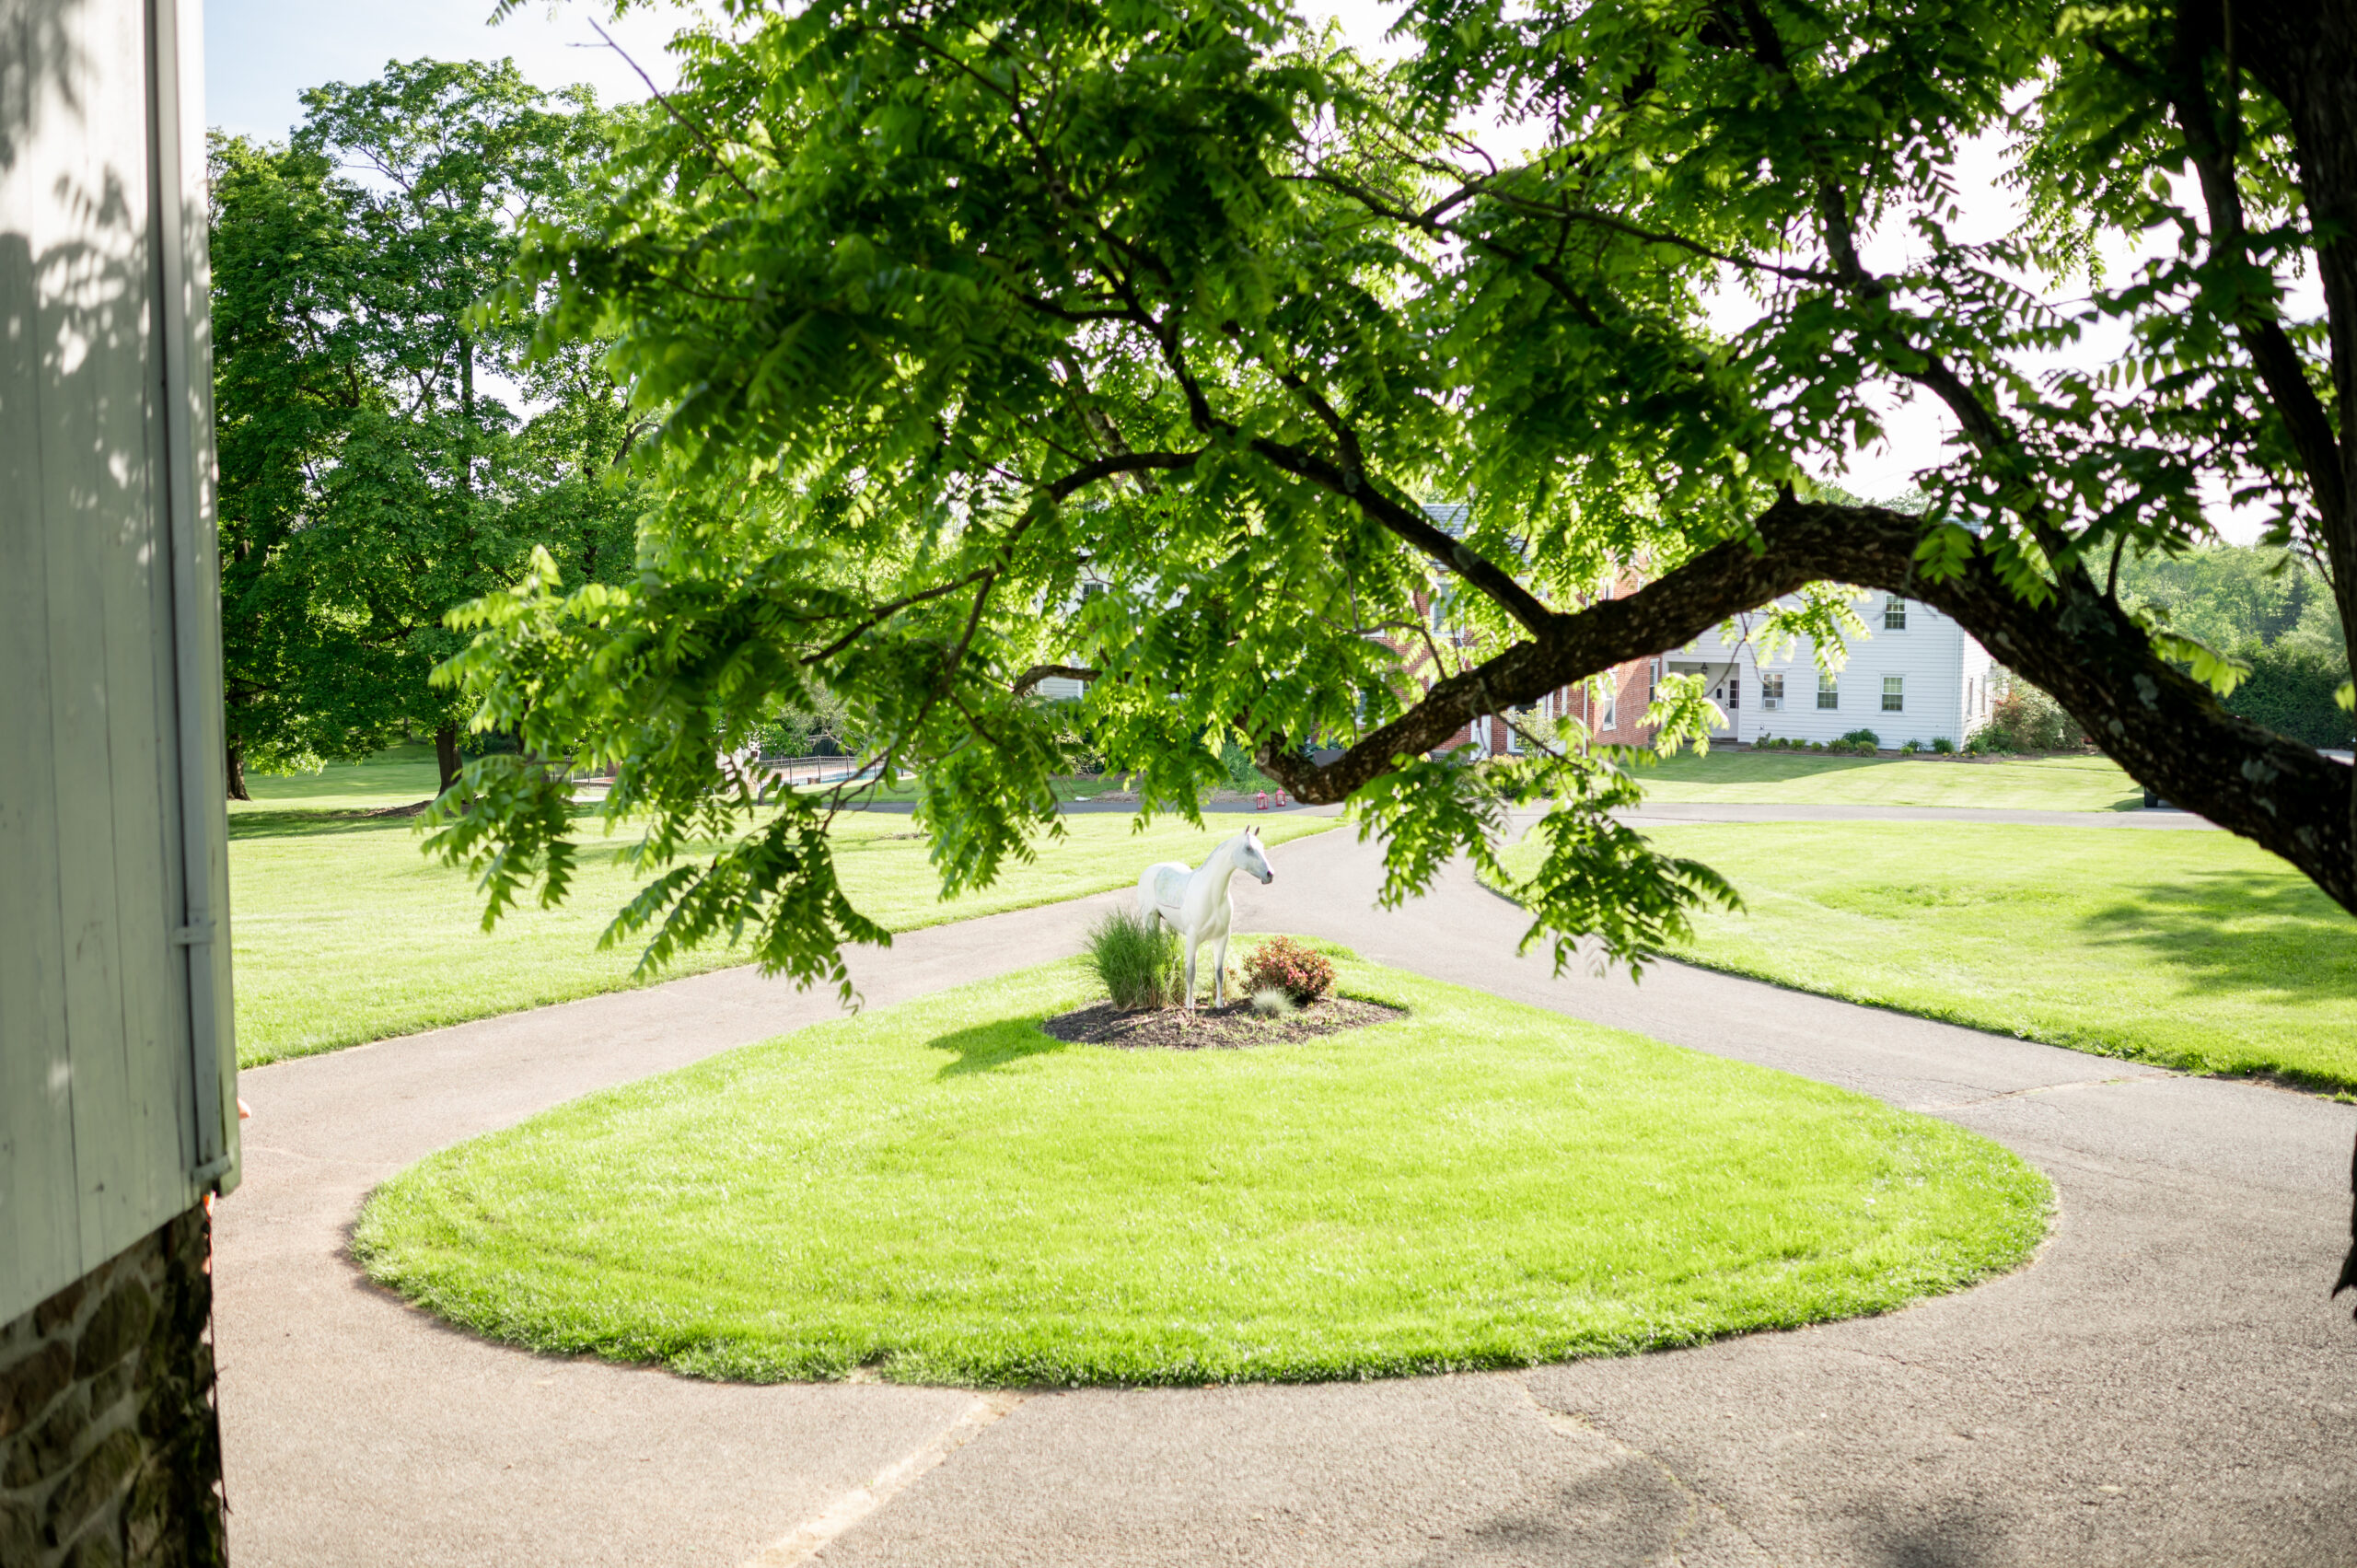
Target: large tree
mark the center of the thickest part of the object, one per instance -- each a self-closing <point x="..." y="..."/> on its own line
<point x="940" y="305"/>
<point x="386" y="452"/>
<point x="944" y="306"/>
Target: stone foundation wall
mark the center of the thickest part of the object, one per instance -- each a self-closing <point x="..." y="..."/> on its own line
<point x="110" y="1447"/>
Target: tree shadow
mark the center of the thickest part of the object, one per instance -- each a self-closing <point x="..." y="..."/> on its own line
<point x="986" y="1047"/>
<point x="314" y="823"/>
<point x="1635" y="1510"/>
<point x="2234" y="931"/>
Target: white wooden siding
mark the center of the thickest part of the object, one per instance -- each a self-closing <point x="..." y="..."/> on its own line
<point x="1934" y="654"/>
<point x="116" y="1058"/>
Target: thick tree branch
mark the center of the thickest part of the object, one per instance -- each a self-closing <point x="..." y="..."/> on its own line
<point x="1120" y="463"/>
<point x="2166" y="729"/>
<point x="1031" y="677"/>
<point x="2210" y="142"/>
<point x="1410" y="525"/>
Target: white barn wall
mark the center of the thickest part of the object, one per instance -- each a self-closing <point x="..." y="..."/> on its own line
<point x="117" y="1104"/>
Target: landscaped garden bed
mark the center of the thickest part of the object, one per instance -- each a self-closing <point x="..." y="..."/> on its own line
<point x="943" y="1192"/>
<point x="1237" y="1024"/>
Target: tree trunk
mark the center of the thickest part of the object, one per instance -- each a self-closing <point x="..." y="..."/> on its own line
<point x="446" y="753"/>
<point x="238" y="770"/>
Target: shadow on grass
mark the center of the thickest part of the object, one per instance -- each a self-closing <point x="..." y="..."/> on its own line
<point x="313" y="823"/>
<point x="993" y="1045"/>
<point x="2233" y="933"/>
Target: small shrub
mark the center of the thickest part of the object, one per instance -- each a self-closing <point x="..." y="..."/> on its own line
<point x="1238" y="771"/>
<point x="2027" y="719"/>
<point x="1943" y="746"/>
<point x="1865" y="738"/>
<point x="1283" y="964"/>
<point x="1911" y="747"/>
<point x="1138" y="961"/>
<point x="1272" y="1003"/>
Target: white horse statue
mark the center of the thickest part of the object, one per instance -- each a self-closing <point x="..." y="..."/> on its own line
<point x="1196" y="905"/>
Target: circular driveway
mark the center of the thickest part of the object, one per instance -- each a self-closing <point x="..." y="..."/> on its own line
<point x="2167" y="1384"/>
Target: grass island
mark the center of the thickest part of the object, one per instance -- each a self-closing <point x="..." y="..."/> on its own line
<point x="941" y="1193"/>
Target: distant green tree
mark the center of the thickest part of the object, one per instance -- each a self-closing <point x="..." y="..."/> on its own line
<point x="390" y="448"/>
<point x="2292" y="689"/>
<point x="2235" y="596"/>
<point x="2272" y="609"/>
<point x="293" y="381"/>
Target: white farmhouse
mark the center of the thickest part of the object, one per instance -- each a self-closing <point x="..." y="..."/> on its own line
<point x="1916" y="675"/>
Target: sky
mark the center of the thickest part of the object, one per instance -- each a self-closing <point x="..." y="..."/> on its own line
<point x="261" y="54"/>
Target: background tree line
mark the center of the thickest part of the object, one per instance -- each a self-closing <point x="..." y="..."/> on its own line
<point x="389" y="447"/>
<point x="2272" y="608"/>
<point x="2269" y="607"/>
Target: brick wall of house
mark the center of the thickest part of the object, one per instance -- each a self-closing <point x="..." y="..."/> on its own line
<point x="110" y="1447"/>
<point x="1631" y="681"/>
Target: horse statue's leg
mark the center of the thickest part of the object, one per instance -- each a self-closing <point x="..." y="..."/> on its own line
<point x="1188" y="1004"/>
<point x="1219" y="972"/>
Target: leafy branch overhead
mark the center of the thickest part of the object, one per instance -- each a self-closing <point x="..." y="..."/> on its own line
<point x="949" y="316"/>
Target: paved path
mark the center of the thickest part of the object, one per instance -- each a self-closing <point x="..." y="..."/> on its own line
<point x="2167" y="1384"/>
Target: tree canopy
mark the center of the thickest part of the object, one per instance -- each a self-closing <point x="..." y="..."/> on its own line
<point x="373" y="474"/>
<point x="945" y="310"/>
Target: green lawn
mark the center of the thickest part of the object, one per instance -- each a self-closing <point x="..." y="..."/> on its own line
<point x="343" y="932"/>
<point x="401" y="776"/>
<point x="2192" y="949"/>
<point x="942" y="1192"/>
<point x="1784" y="778"/>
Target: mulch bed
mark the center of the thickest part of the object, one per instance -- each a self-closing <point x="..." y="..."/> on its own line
<point x="1231" y="1028"/>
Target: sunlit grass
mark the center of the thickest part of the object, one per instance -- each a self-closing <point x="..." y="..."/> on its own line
<point x="343" y="932"/>
<point x="402" y="775"/>
<point x="942" y="1192"/>
<point x="2041" y="783"/>
<point x="2192" y="949"/>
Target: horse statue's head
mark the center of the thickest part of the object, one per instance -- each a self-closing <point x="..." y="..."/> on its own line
<point x="1251" y="857"/>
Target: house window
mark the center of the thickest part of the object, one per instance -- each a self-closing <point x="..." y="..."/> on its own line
<point x="1772" y="690"/>
<point x="1653" y="679"/>
<point x="1519" y="720"/>
<point x="1894" y="693"/>
<point x="1894" y="614"/>
<point x="1828" y="691"/>
<point x="1612" y="707"/>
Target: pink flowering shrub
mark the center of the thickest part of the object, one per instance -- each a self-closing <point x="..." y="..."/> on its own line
<point x="1286" y="965"/>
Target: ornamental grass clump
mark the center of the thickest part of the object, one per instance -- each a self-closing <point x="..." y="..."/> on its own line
<point x="1138" y="961"/>
<point x="1283" y="964"/>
